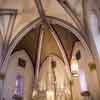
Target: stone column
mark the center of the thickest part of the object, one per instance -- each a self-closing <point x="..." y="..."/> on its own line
<point x="94" y="37"/>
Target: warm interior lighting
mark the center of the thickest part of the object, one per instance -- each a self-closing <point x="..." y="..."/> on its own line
<point x="35" y="92"/>
<point x="50" y="94"/>
<point x="74" y="67"/>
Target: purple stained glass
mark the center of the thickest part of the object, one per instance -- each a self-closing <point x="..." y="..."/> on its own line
<point x="83" y="82"/>
<point x="19" y="85"/>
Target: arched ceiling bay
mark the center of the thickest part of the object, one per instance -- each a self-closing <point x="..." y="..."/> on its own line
<point x="30" y="43"/>
<point x="49" y="46"/>
<point x="67" y="39"/>
<point x="27" y="12"/>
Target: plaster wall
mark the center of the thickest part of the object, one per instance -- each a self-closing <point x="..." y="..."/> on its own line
<point x="13" y="70"/>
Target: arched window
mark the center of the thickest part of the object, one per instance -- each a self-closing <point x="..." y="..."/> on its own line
<point x="78" y="72"/>
<point x="19" y="85"/>
<point x="83" y="82"/>
<point x="74" y="67"/>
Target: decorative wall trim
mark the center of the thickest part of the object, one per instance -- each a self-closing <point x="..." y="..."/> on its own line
<point x="8" y="11"/>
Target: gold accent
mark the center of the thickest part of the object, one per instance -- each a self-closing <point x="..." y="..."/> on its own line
<point x="92" y="66"/>
<point x="2" y="76"/>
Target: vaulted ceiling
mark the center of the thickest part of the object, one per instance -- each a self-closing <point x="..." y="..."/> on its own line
<point x="25" y="11"/>
<point x="15" y="15"/>
<point x="49" y="45"/>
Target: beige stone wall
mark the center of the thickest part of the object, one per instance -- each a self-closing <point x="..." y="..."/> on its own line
<point x="93" y="21"/>
<point x="13" y="70"/>
<point x="1" y="42"/>
<point x="91" y="75"/>
<point x="0" y="88"/>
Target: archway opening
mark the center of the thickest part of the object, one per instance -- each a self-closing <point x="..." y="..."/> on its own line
<point x="41" y="46"/>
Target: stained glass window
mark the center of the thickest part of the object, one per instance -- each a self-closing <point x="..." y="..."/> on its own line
<point x="83" y="82"/>
<point x="19" y="85"/>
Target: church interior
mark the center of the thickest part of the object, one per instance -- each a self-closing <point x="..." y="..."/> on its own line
<point x="49" y="49"/>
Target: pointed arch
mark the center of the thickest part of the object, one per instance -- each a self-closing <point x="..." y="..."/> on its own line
<point x="35" y="23"/>
<point x="48" y="74"/>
